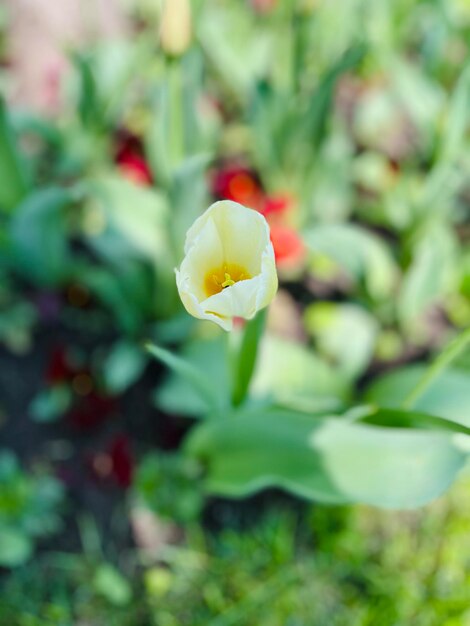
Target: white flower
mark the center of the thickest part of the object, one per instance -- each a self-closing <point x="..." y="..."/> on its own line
<point x="229" y="269"/>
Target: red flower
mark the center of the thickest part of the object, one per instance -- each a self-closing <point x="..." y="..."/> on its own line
<point x="276" y="205"/>
<point x="122" y="460"/>
<point x="130" y="159"/>
<point x="135" y="168"/>
<point x="238" y="184"/>
<point x="289" y="249"/>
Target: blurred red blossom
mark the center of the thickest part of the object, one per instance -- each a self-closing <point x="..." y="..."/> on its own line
<point x="131" y="162"/>
<point x="135" y="168"/>
<point x="289" y="248"/>
<point x="122" y="459"/>
<point x="238" y="183"/>
<point x="89" y="406"/>
<point x="276" y="205"/>
<point x="59" y="368"/>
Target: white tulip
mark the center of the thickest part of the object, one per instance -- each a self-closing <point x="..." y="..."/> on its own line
<point x="229" y="269"/>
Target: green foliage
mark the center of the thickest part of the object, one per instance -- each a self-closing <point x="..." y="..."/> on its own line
<point x="324" y="566"/>
<point x="162" y="475"/>
<point x="345" y="333"/>
<point x="39" y="237"/>
<point x="51" y="403"/>
<point x="305" y="382"/>
<point x="359" y="253"/>
<point x="13" y="180"/>
<point x="28" y="510"/>
<point x="246" y="357"/>
<point x="357" y="112"/>
<point x="330" y="459"/>
<point x="321" y="456"/>
<point x="110" y="584"/>
<point x="448" y="396"/>
<point x="123" y="366"/>
<point x="189" y="376"/>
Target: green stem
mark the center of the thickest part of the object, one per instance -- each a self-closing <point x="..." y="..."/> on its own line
<point x="175" y="81"/>
<point x="449" y="354"/>
<point x="244" y="365"/>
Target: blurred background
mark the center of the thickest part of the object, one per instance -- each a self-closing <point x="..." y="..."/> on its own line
<point x="346" y="124"/>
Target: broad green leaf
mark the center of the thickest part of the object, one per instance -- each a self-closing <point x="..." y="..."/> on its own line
<point x="257" y="449"/>
<point x="39" y="236"/>
<point x="361" y="254"/>
<point x="448" y="396"/>
<point x="389" y="467"/>
<point x="330" y="459"/>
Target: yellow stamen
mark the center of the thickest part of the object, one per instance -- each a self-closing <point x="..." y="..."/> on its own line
<point x="228" y="282"/>
<point x="222" y="277"/>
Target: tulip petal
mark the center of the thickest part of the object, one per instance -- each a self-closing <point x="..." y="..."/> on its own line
<point x="243" y="232"/>
<point x="227" y="234"/>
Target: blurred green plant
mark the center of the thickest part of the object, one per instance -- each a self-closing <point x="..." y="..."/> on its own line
<point x="323" y="565"/>
<point x="29" y="510"/>
<point x="162" y="475"/>
<point x="367" y="137"/>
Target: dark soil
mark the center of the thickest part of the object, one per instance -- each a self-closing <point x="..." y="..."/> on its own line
<point x="70" y="449"/>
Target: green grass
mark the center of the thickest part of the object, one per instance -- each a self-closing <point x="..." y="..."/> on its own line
<point x="325" y="567"/>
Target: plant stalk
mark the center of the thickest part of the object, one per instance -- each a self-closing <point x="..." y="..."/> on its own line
<point x="245" y="362"/>
<point x="445" y="358"/>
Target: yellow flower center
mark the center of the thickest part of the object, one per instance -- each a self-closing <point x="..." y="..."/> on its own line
<point x="222" y="277"/>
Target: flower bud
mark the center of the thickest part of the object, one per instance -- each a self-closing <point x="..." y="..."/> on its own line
<point x="175" y="27"/>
